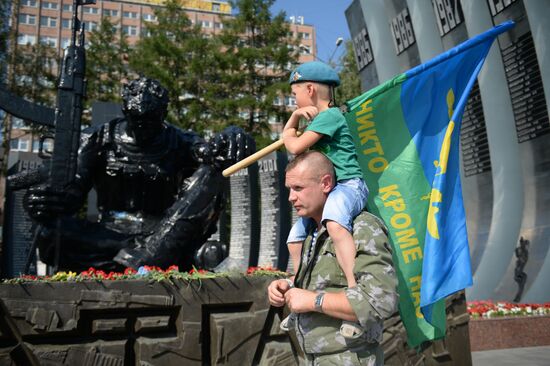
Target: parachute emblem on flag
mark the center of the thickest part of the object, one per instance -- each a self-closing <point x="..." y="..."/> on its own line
<point x="436" y="197"/>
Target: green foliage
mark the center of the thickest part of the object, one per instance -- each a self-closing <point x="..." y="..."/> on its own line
<point x="183" y="60"/>
<point x="256" y="62"/>
<point x="31" y="76"/>
<point x="32" y="69"/>
<point x="105" y="62"/>
<point x="349" y="76"/>
<point x="4" y="33"/>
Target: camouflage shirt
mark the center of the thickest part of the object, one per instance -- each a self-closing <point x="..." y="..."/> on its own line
<point x="373" y="299"/>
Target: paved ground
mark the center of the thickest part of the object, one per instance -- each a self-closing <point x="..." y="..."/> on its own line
<point x="527" y="356"/>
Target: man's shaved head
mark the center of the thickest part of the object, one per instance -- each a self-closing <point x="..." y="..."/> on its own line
<point x="313" y="162"/>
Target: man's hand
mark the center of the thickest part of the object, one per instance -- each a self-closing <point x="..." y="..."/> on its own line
<point x="276" y="292"/>
<point x="300" y="301"/>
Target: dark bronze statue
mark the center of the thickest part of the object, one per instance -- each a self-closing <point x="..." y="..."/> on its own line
<point x="522" y="255"/>
<point x="159" y="189"/>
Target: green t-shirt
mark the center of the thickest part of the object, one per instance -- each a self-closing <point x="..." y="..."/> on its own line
<point x="336" y="143"/>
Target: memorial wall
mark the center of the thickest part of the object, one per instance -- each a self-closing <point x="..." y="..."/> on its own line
<point x="275" y="211"/>
<point x="18" y="228"/>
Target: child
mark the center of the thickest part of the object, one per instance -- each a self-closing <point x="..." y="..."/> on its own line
<point x="313" y="86"/>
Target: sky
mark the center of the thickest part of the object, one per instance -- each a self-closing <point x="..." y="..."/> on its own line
<point x="329" y="20"/>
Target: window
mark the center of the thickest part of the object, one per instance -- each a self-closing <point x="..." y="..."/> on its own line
<point x="278" y="101"/>
<point x="88" y="10"/>
<point x="149" y="17"/>
<point x="49" y="5"/>
<point x="67" y="7"/>
<point x="29" y="3"/>
<point x="290" y="101"/>
<point x="50" y="63"/>
<point x="17" y="123"/>
<point x="23" y="145"/>
<point x="47" y="146"/>
<point x="129" y="30"/>
<point x="26" y="39"/>
<point x="65" y="42"/>
<point x="66" y="23"/>
<point x="90" y="26"/>
<point x="304" y="35"/>
<point x="27" y="19"/>
<point x="110" y="13"/>
<point x="218" y="25"/>
<point x="206" y="24"/>
<point x="19" y="145"/>
<point x="48" y="22"/>
<point x="23" y="80"/>
<point x="216" y="7"/>
<point x="304" y="50"/>
<point x="49" y="41"/>
<point x="130" y="14"/>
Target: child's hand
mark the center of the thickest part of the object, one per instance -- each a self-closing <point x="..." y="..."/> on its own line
<point x="309" y="112"/>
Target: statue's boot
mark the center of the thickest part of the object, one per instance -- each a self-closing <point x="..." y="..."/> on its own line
<point x="188" y="223"/>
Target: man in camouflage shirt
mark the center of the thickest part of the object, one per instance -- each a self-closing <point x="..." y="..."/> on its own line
<point x="319" y="294"/>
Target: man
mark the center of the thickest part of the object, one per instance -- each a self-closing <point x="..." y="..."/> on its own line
<point x="159" y="189"/>
<point x="319" y="294"/>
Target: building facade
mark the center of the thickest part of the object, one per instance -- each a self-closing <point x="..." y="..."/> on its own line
<point x="505" y="155"/>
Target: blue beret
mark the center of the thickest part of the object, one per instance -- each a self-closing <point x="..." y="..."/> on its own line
<point x="315" y="71"/>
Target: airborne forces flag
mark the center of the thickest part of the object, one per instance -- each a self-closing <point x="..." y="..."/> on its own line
<point x="406" y="133"/>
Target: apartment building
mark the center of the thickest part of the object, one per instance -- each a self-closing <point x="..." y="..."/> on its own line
<point x="49" y="21"/>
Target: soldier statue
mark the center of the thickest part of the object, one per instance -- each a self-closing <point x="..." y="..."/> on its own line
<point x="159" y="190"/>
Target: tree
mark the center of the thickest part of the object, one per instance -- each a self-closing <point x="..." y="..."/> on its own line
<point x="178" y="55"/>
<point x="350" y="86"/>
<point x="258" y="52"/>
<point x="106" y="66"/>
<point x="31" y="74"/>
<point x="32" y="71"/>
<point x="4" y="32"/>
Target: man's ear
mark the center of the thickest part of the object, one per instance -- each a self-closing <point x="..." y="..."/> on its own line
<point x="327" y="183"/>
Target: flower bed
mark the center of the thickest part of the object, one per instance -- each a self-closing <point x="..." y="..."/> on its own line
<point x="488" y="309"/>
<point x="143" y="273"/>
<point x="497" y="325"/>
